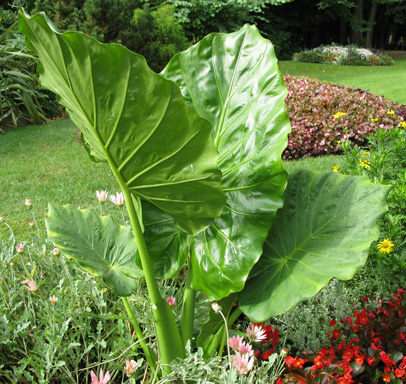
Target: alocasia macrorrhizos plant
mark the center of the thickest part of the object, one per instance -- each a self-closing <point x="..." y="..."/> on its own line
<point x="200" y="146"/>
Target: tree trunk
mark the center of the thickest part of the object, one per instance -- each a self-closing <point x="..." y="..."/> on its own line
<point x="356" y="35"/>
<point x="371" y="22"/>
<point x="343" y="37"/>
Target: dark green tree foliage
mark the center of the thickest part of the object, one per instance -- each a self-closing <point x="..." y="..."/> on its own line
<point x="155" y="33"/>
<point x="158" y="35"/>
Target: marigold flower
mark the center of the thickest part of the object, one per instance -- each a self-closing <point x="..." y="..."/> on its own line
<point x="31" y="285"/>
<point x="391" y="112"/>
<point x="374" y="120"/>
<point x="256" y="333"/>
<point x="101" y="196"/>
<point x="20" y="248"/>
<point x="130" y="367"/>
<point x="402" y="124"/>
<point x="117" y="199"/>
<point x="53" y="299"/>
<point x="385" y="246"/>
<point x="365" y="163"/>
<point x="336" y="167"/>
<point x="171" y="300"/>
<point x="243" y="364"/>
<point x="103" y="379"/>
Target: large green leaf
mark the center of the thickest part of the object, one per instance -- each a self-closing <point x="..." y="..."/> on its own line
<point x="233" y="81"/>
<point x="324" y="230"/>
<point x="98" y="244"/>
<point x="134" y="119"/>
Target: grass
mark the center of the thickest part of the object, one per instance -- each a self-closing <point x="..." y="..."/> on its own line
<point x="388" y="81"/>
<point x="45" y="163"/>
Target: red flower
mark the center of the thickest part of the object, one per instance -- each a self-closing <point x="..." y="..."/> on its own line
<point x="386" y="359"/>
<point x="399" y="372"/>
<point x="359" y="360"/>
<point x="386" y="378"/>
<point x="332" y="322"/>
<point x="370" y="360"/>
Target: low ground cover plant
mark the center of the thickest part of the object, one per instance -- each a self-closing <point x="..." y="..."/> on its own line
<point x="343" y="55"/>
<point x="324" y="115"/>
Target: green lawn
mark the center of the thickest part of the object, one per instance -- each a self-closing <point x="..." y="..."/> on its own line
<point x="389" y="81"/>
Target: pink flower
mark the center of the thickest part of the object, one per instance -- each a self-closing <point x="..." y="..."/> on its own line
<point x="171" y="301"/>
<point x="235" y="342"/>
<point x="246" y="349"/>
<point x="53" y="299"/>
<point x="102" y="196"/>
<point x="216" y="307"/>
<point x="118" y="199"/>
<point x="102" y="379"/>
<point x="256" y="333"/>
<point x="31" y="285"/>
<point x="243" y="364"/>
<point x="20" y="248"/>
<point x="130" y="367"/>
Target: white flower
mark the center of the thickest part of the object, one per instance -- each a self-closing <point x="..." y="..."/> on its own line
<point x="243" y="364"/>
<point x="101" y="196"/>
<point x="118" y="199"/>
<point x="256" y="333"/>
<point x="53" y="299"/>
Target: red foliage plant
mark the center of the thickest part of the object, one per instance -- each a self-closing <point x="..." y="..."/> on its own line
<point x="368" y="347"/>
<point x="323" y="115"/>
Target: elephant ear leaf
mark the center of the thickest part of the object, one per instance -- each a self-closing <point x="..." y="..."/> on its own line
<point x="323" y="231"/>
<point x="100" y="246"/>
<point x="233" y="81"/>
<point x="156" y="145"/>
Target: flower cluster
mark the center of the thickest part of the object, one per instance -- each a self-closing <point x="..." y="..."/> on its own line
<point x="343" y="55"/>
<point x="244" y="358"/>
<point x="323" y="115"/>
<point x="369" y="346"/>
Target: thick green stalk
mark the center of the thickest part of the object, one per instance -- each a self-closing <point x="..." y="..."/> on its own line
<point x="169" y="339"/>
<point x="151" y="361"/>
<point x="188" y="309"/>
<point x="168" y="335"/>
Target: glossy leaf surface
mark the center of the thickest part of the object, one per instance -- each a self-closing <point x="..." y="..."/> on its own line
<point x="324" y="230"/>
<point x="233" y="81"/>
<point x="134" y="119"/>
<point x="97" y="243"/>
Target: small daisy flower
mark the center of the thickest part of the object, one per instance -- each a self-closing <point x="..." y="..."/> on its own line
<point x="243" y="364"/>
<point x="53" y="299"/>
<point x="28" y="203"/>
<point x="56" y="252"/>
<point x="117" y="199"/>
<point x="101" y="196"/>
<point x="31" y="285"/>
<point x="20" y="248"/>
<point x="235" y="342"/>
<point x="130" y="367"/>
<point x="385" y="246"/>
<point x="256" y="333"/>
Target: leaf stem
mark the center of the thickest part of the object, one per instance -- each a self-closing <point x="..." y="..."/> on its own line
<point x="140" y="336"/>
<point x="188" y="309"/>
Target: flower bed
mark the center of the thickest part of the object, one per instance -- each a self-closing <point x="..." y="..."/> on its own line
<point x="323" y="115"/>
<point x="343" y="55"/>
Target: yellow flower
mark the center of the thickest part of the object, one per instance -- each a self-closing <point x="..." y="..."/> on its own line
<point x="385" y="246"/>
<point x="336" y="168"/>
<point x="374" y="119"/>
<point x="365" y="154"/>
<point x="403" y="124"/>
<point x="365" y="163"/>
<point x="391" y="112"/>
<point x="338" y="115"/>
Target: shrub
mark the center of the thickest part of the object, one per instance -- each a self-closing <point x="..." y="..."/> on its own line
<point x="348" y="55"/>
<point x="369" y="345"/>
<point x="323" y="115"/>
<point x="22" y="100"/>
<point x="155" y="34"/>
